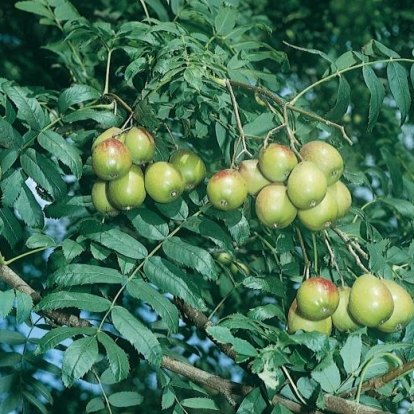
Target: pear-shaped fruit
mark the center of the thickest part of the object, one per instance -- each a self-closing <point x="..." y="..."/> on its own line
<point x="164" y="182"/>
<point x="100" y="198"/>
<point x="226" y="190"/>
<point x="111" y="159"/>
<point x="191" y="166"/>
<point x="317" y="298"/>
<point x="403" y="311"/>
<point x="274" y="208"/>
<point x="341" y="318"/>
<point x="370" y="301"/>
<point x="322" y="215"/>
<point x="296" y="322"/>
<point x="112" y="132"/>
<point x="306" y="185"/>
<point x="276" y="161"/>
<point x="128" y="191"/>
<point x="253" y="177"/>
<point x="342" y="197"/>
<point x="141" y="145"/>
<point x="326" y="157"/>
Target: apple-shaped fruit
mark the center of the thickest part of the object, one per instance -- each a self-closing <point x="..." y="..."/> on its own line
<point x="128" y="191"/>
<point x="225" y="258"/>
<point x="111" y="159"/>
<point x="341" y="318"/>
<point x="370" y="301"/>
<point x="113" y="132"/>
<point x="296" y="322"/>
<point x="322" y="215"/>
<point x="306" y="185"/>
<point x="141" y="145"/>
<point x="238" y="267"/>
<point x="342" y="197"/>
<point x="191" y="166"/>
<point x="252" y="176"/>
<point x="326" y="157"/>
<point x="274" y="208"/>
<point x="276" y="161"/>
<point x="226" y="189"/>
<point x="163" y="182"/>
<point x="317" y="298"/>
<point x="100" y="198"/>
<point x="403" y="311"/>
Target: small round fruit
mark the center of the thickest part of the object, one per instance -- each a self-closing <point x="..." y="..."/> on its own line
<point x="296" y="322"/>
<point x="111" y="159"/>
<point x="306" y="185"/>
<point x="342" y="196"/>
<point x="191" y="166"/>
<point x="128" y="191"/>
<point x="370" y="301"/>
<point x="226" y="190"/>
<point x="239" y="267"/>
<point x="341" y="318"/>
<point x="317" y="298"/>
<point x="322" y="215"/>
<point x="252" y="176"/>
<point x="112" y="132"/>
<point x="224" y="258"/>
<point x="403" y="308"/>
<point x="276" y="161"/>
<point x="100" y="198"/>
<point x="163" y="182"/>
<point x="274" y="208"/>
<point x="141" y="145"/>
<point x="326" y="157"/>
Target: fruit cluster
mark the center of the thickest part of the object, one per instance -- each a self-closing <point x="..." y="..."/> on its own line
<point x="371" y="302"/>
<point x="123" y="163"/>
<point x="287" y="187"/>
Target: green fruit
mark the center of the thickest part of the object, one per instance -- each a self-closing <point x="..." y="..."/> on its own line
<point x="100" y="198"/>
<point x="326" y="157"/>
<point x="252" y="176"/>
<point x="370" y="301"/>
<point x="141" y="145"/>
<point x="163" y="182"/>
<point x="341" y="318"/>
<point x="276" y="161"/>
<point x="224" y="258"/>
<point x="306" y="185"/>
<point x="296" y="322"/>
<point x="274" y="208"/>
<point x="239" y="267"/>
<point x="317" y="298"/>
<point x="342" y="197"/>
<point x="111" y="159"/>
<point x="128" y="191"/>
<point x="112" y="132"/>
<point x="403" y="311"/>
<point x="191" y="166"/>
<point x="226" y="190"/>
<point x="322" y="215"/>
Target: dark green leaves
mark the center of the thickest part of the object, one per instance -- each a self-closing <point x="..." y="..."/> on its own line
<point x="398" y="82"/>
<point x="377" y="92"/>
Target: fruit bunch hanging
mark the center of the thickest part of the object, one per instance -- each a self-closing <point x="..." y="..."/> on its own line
<point x="123" y="162"/>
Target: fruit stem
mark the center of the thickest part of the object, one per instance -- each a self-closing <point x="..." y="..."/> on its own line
<point x="20" y="256"/>
<point x="108" y="68"/>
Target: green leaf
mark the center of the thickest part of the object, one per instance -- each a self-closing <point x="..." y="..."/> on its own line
<point x="9" y="137"/>
<point x="171" y="279"/>
<point x="394" y="167"/>
<point x="79" y="300"/>
<point x="67" y="154"/>
<point x="39" y="240"/>
<point x="29" y="209"/>
<point x="377" y="92"/>
<point x="32" y="399"/>
<point x="77" y="94"/>
<point x="252" y="403"/>
<point x="12" y="337"/>
<point x="225" y="20"/>
<point x="161" y="305"/>
<point x="105" y="118"/>
<point x="176" y="210"/>
<point x="41" y="389"/>
<point x="351" y="353"/>
<point x="95" y="404"/>
<point x="71" y="249"/>
<point x="343" y="100"/>
<point x="403" y="207"/>
<point x="269" y="284"/>
<point x="200" y="403"/>
<point x="114" y="239"/>
<point x="44" y="172"/>
<point x="125" y="399"/>
<point x="144" y="341"/>
<point x="117" y="357"/>
<point x="168" y="398"/>
<point x="82" y="274"/>
<point x="12" y="230"/>
<point x="24" y="306"/>
<point x="267" y="311"/>
<point x="398" y="82"/>
<point x="10" y="359"/>
<point x="194" y="77"/>
<point x="6" y="302"/>
<point x="34" y="7"/>
<point x="60" y="334"/>
<point x="12" y="187"/>
<point x="190" y="256"/>
<point x="78" y="359"/>
<point x="261" y="125"/>
<point x="148" y="223"/>
<point x="328" y="377"/>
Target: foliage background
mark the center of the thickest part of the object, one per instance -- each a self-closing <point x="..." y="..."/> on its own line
<point x="166" y="78"/>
